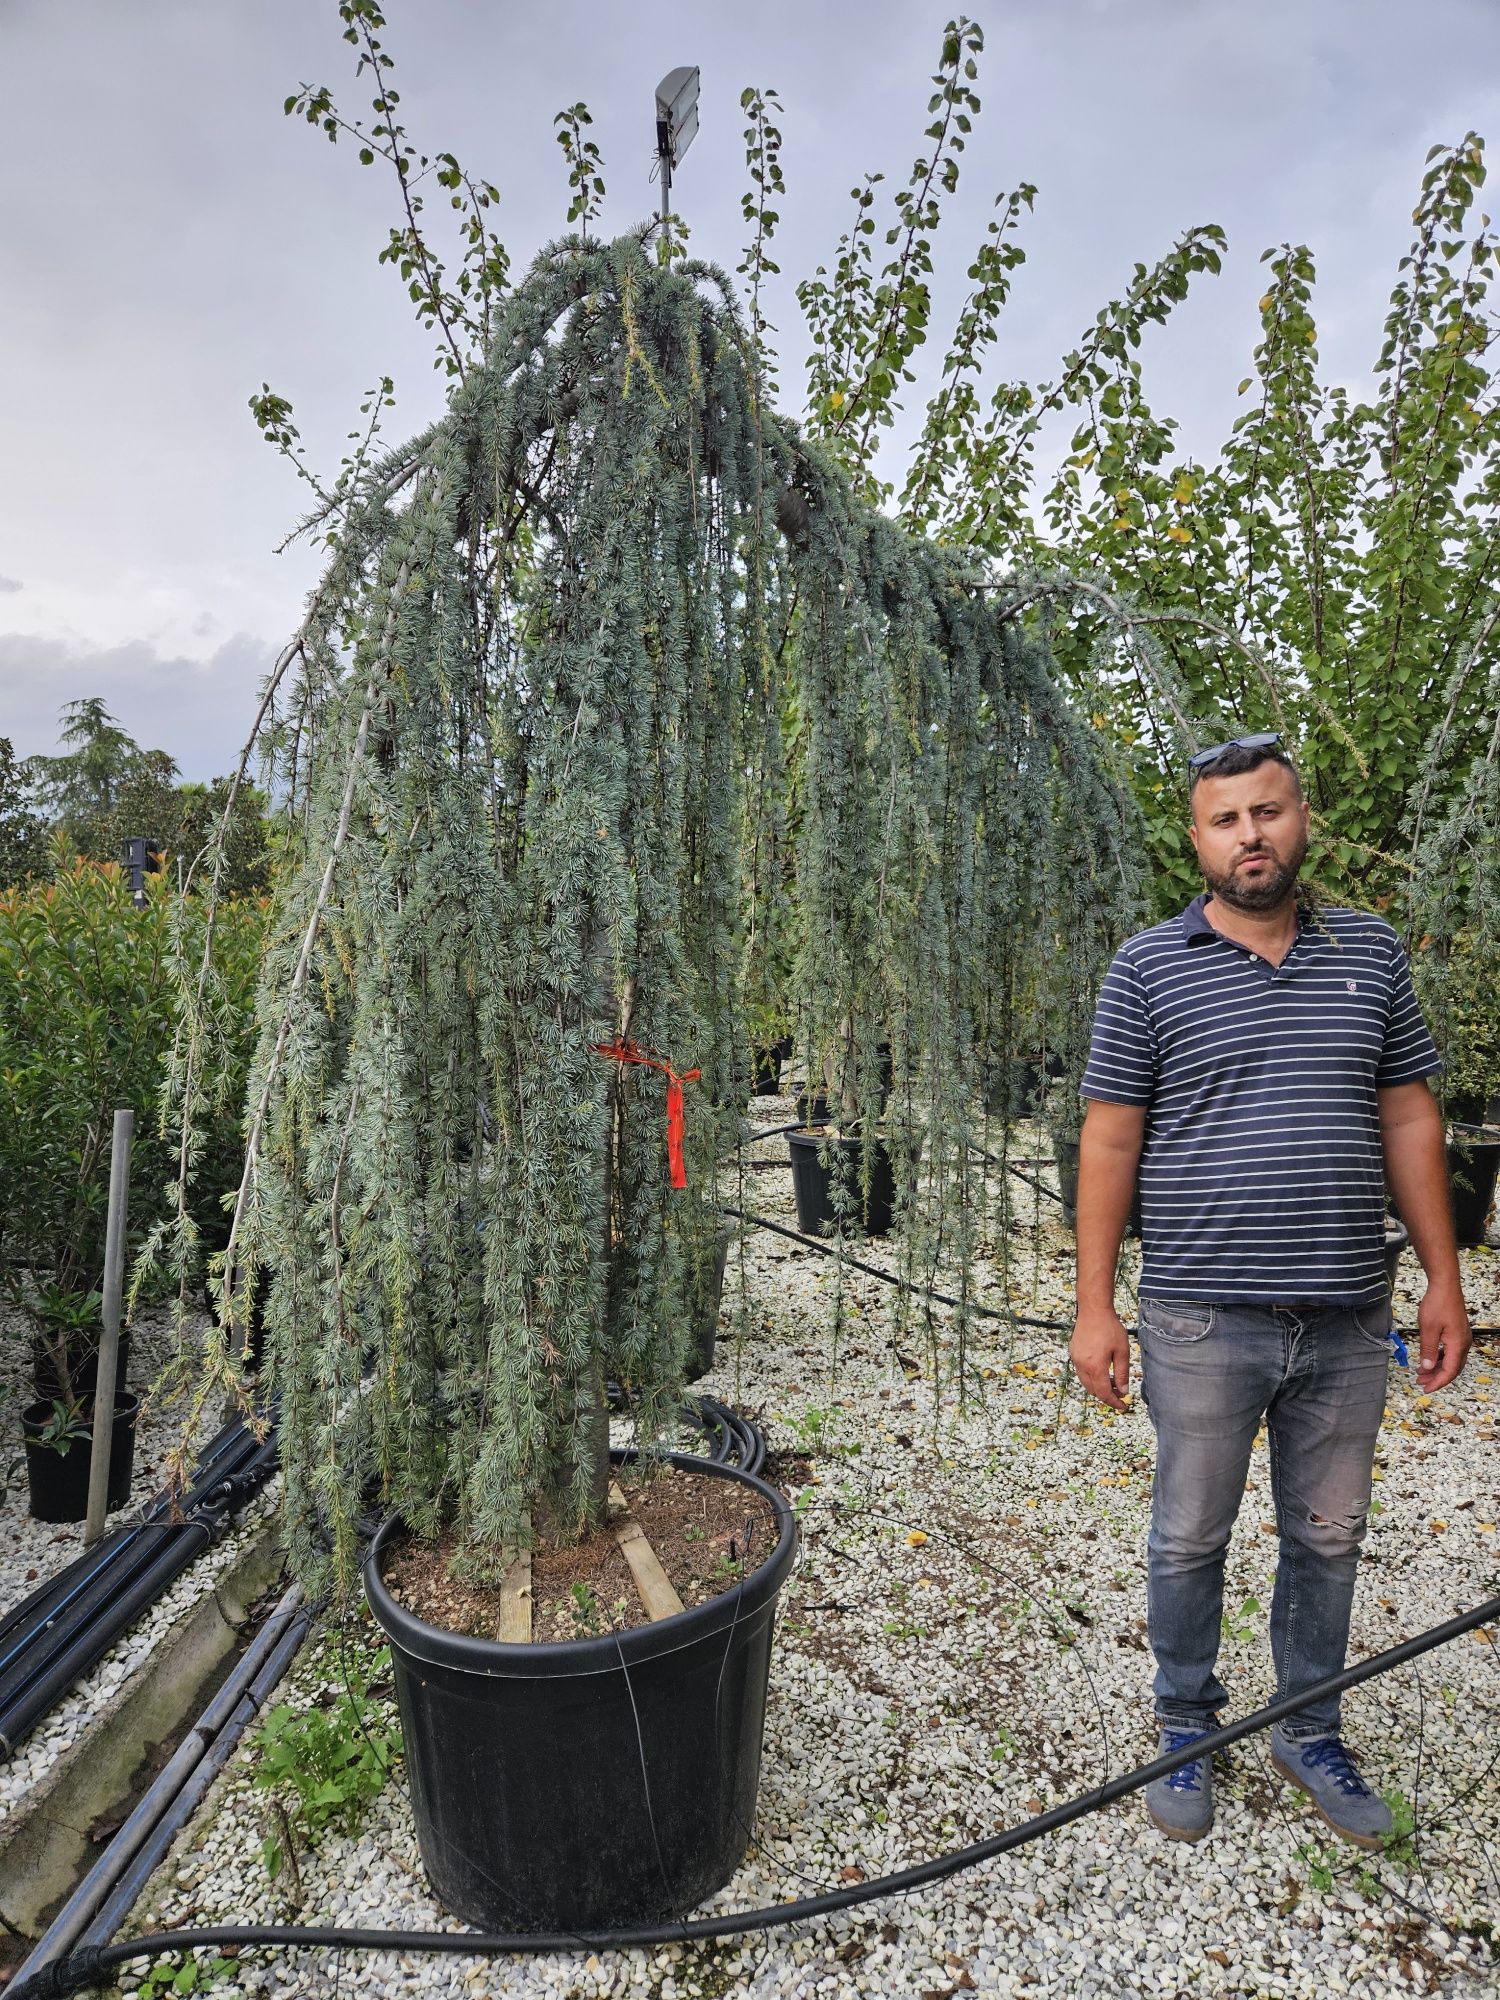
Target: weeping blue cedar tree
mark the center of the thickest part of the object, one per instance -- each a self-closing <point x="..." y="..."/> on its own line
<point x="537" y="704"/>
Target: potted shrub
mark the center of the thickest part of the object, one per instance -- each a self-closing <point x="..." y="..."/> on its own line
<point x="502" y="1024"/>
<point x="58" y="1436"/>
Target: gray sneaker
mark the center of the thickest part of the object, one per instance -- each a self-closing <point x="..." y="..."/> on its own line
<point x="1181" y="1805"/>
<point x="1323" y="1768"/>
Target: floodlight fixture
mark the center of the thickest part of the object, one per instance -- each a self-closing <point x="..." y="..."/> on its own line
<point x="676" y="125"/>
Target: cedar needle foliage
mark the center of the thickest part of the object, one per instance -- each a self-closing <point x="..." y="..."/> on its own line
<point x="536" y="707"/>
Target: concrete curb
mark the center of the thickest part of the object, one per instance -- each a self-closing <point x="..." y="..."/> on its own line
<point x="47" y="1844"/>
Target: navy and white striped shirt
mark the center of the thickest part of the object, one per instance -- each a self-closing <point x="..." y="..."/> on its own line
<point x="1261" y="1173"/>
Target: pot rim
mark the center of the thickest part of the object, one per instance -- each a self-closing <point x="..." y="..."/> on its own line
<point x="557" y="1659"/>
<point x="127" y="1404"/>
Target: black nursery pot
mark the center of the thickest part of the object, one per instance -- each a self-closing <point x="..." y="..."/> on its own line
<point x="1473" y="1163"/>
<point x="594" y="1783"/>
<point x="765" y="1072"/>
<point x="59" y="1480"/>
<point x="812" y="1107"/>
<point x="83" y="1369"/>
<point x="812" y="1183"/>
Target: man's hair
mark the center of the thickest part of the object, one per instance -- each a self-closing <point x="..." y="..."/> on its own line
<point x="1236" y="760"/>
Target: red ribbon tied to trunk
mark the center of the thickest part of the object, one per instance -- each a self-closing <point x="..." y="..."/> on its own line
<point x="628" y="1052"/>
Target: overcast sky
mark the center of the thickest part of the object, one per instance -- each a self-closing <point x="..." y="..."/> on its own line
<point x="169" y="241"/>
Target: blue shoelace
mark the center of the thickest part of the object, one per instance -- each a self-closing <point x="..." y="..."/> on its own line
<point x="1329" y="1755"/>
<point x="1188" y="1777"/>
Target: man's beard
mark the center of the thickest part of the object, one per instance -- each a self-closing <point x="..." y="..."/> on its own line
<point x="1261" y="892"/>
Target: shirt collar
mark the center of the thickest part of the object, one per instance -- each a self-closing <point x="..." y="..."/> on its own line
<point x="1196" y="927"/>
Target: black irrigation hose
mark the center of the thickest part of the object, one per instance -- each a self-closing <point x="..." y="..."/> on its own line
<point x="94" y="1965"/>
<point x="53" y="1637"/>
<point x="732" y="1439"/>
<point x="1482" y="1332"/>
<point x="889" y="1277"/>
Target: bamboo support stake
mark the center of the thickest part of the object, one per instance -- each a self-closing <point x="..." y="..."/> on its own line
<point x="109" y="1342"/>
<point x="651" y="1580"/>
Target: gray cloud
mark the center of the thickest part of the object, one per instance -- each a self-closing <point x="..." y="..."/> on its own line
<point x="8" y="584"/>
<point x="227" y="245"/>
<point x="198" y="711"/>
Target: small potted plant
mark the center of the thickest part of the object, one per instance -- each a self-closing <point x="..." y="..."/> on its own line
<point x="59" y="1452"/>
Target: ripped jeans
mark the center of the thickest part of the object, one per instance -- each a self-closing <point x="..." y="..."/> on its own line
<point x="1316" y="1374"/>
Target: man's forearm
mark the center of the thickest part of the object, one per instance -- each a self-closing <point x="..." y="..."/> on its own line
<point x="1106" y="1185"/>
<point x="1416" y="1172"/>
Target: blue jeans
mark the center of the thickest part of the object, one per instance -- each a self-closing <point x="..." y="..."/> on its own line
<point x="1316" y="1374"/>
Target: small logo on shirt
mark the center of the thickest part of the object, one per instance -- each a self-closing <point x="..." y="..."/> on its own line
<point x="1350" y="987"/>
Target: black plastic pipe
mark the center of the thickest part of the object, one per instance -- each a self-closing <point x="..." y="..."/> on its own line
<point x="91" y="1914"/>
<point x="60" y="1591"/>
<point x="95" y="1966"/>
<point x="888" y="1277"/>
<point x="63" y="1634"/>
<point x="53" y="1617"/>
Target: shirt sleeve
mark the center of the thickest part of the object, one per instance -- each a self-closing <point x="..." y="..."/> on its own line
<point x="1408" y="1051"/>
<point x="1122" y="1055"/>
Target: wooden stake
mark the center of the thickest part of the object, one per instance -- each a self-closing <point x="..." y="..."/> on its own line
<point x="651" y="1580"/>
<point x="106" y="1377"/>
<point x="515" y="1597"/>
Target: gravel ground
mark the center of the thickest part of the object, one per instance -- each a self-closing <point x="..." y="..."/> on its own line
<point x="33" y="1551"/>
<point x="961" y="1643"/>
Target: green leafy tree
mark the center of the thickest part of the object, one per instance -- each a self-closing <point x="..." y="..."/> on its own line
<point x="23" y="828"/>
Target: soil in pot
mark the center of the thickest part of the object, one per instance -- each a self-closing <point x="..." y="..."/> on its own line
<point x="813" y="1183"/>
<point x="59" y="1480"/>
<point x="606" y="1777"/>
<point x="1473" y="1164"/>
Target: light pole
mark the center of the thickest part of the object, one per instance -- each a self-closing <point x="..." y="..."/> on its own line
<point x="676" y="125"/>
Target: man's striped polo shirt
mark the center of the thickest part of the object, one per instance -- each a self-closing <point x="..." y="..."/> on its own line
<point x="1261" y="1173"/>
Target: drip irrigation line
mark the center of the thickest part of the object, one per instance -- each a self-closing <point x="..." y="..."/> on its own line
<point x="100" y="1903"/>
<point x="889" y="1277"/>
<point x="94" y="1965"/>
<point x="56" y="1635"/>
<point x="1481" y="1332"/>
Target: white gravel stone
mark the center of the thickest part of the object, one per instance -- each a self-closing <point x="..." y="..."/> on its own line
<point x="927" y="1693"/>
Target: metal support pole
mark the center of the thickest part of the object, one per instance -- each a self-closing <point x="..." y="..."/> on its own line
<point x="109" y="1343"/>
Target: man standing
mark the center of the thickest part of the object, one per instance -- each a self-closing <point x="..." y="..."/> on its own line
<point x="1263" y="1067"/>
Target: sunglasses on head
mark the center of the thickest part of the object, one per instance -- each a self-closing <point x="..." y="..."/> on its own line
<point x="1201" y="759"/>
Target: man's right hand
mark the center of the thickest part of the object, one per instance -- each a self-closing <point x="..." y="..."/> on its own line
<point x="1100" y="1351"/>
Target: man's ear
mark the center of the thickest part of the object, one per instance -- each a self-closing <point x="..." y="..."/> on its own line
<point x="1193" y="834"/>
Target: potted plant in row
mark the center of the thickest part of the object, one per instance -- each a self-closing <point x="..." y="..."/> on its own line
<point x="502" y="1026"/>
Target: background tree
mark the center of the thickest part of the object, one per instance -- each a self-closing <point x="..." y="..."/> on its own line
<point x="23" y="828"/>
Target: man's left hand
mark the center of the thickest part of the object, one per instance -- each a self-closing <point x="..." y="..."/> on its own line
<point x="1443" y="1337"/>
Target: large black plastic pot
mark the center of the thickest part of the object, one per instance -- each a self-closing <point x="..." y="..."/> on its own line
<point x="706" y="1298"/>
<point x="595" y="1783"/>
<point x="1067" y="1187"/>
<point x="1473" y="1163"/>
<point x="812" y="1182"/>
<point x="59" y="1480"/>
